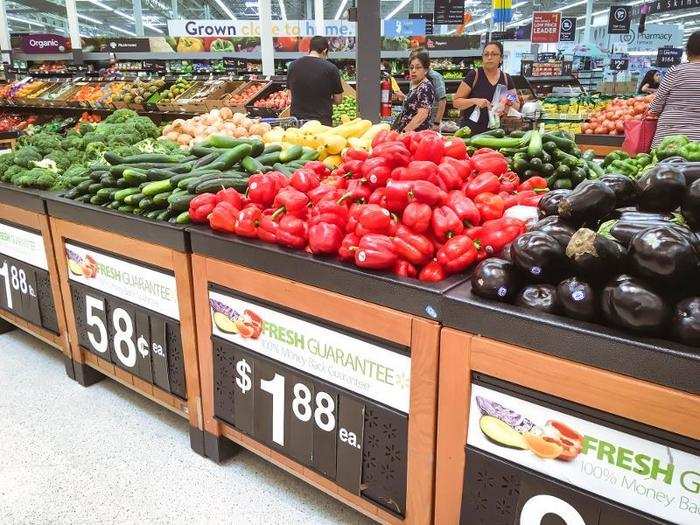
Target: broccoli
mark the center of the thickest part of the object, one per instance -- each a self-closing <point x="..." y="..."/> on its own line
<point x="26" y="156"/>
<point x="120" y="116"/>
<point x="76" y="170"/>
<point x="47" y="164"/>
<point x="72" y="141"/>
<point x="45" y="142"/>
<point x="12" y="172"/>
<point x="36" y="178"/>
<point x="6" y="160"/>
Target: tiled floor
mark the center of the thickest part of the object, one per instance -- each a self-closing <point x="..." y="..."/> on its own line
<point x="104" y="454"/>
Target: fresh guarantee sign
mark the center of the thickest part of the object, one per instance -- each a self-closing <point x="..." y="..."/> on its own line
<point x="23" y="245"/>
<point x="251" y="28"/>
<point x="654" y="37"/>
<point x="356" y="365"/>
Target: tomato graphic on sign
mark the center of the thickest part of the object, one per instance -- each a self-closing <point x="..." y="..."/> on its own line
<point x="86" y="267"/>
<point x="248" y="324"/>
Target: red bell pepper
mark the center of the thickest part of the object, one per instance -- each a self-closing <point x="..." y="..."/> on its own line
<point x="378" y="197"/>
<point x="248" y="221"/>
<point x="427" y="193"/>
<point x="400" y="193"/>
<point x="319" y="168"/>
<point x="201" y="206"/>
<point x="335" y="182"/>
<point x="325" y="238"/>
<point x="395" y="154"/>
<point x="485" y="182"/>
<point x="485" y="151"/>
<point x="496" y="234"/>
<point x="262" y="188"/>
<point x="378" y="176"/>
<point x="405" y="269"/>
<point x="324" y="192"/>
<point x="292" y="232"/>
<point x="509" y="199"/>
<point x="290" y="201"/>
<point x="351" y="168"/>
<point x="304" y="180"/>
<point x="464" y="207"/>
<point x="330" y="212"/>
<point x="356" y="154"/>
<point x="431" y="147"/>
<point x="369" y="165"/>
<point x="458" y="254"/>
<point x="268" y="228"/>
<point x="419" y="170"/>
<point x="533" y="183"/>
<point x="448" y="177"/>
<point x="463" y="167"/>
<point x="445" y="223"/>
<point x="375" y="252"/>
<point x="509" y="182"/>
<point x="231" y="196"/>
<point x="413" y="247"/>
<point x="223" y="217"/>
<point x="490" y="206"/>
<point x="373" y="219"/>
<point x="456" y="148"/>
<point x="384" y="136"/>
<point x="358" y="190"/>
<point x="490" y="162"/>
<point x="529" y="197"/>
<point x="347" y="249"/>
<point x="416" y="216"/>
<point x="432" y="272"/>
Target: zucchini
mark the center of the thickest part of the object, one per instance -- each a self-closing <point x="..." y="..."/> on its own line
<point x="561" y="142"/>
<point x="114" y="205"/>
<point x="84" y="198"/>
<point x="272" y="148"/>
<point x="207" y="159"/>
<point x="182" y="184"/>
<point x="214" y="185"/>
<point x="201" y="151"/>
<point x="94" y="188"/>
<point x="107" y="180"/>
<point x="147" y="204"/>
<point x="222" y="141"/>
<point x="153" y="214"/>
<point x="181" y="203"/>
<point x="534" y="148"/>
<point x="84" y="186"/>
<point x="155" y="174"/>
<point x="154" y="158"/>
<point x="134" y="199"/>
<point x="252" y="165"/>
<point x="183" y="218"/>
<point x="309" y="154"/>
<point x="595" y="168"/>
<point x="122" y="183"/>
<point x="126" y="209"/>
<point x="157" y="187"/>
<point x="231" y="157"/>
<point x="269" y="159"/>
<point x="77" y="179"/>
<point x="123" y="194"/>
<point x="162" y="198"/>
<point x="112" y="158"/>
<point x="97" y="175"/>
<point x="291" y="153"/>
<point x="489" y="141"/>
<point x="175" y="194"/>
<point x="282" y="169"/>
<point x="192" y="185"/>
<point x="134" y="176"/>
<point x="97" y="199"/>
<point x="163" y="215"/>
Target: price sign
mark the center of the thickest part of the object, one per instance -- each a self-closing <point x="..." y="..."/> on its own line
<point x="567" y="32"/>
<point x="127" y="314"/>
<point x="580" y="470"/>
<point x="25" y="290"/>
<point x="619" y="64"/>
<point x="545" y="27"/>
<point x="668" y="56"/>
<point x="428" y="17"/>
<point x="448" y="12"/>
<point x="619" y="20"/>
<point x="332" y="402"/>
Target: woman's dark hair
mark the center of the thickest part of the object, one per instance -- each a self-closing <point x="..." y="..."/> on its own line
<point x="319" y="44"/>
<point x="493" y="43"/>
<point x="649" y="79"/>
<point x="692" y="48"/>
<point x="422" y="57"/>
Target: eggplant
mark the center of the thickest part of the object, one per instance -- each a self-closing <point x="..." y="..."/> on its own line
<point x="630" y="224"/>
<point x="539" y="255"/>
<point x="549" y="203"/>
<point x="625" y="189"/>
<point x="505" y="253"/>
<point x="664" y="256"/>
<point x="662" y="188"/>
<point x="685" y="324"/>
<point x="691" y="205"/>
<point x="691" y="170"/>
<point x="594" y="257"/>
<point x="555" y="226"/>
<point x="630" y="304"/>
<point x="542" y="297"/>
<point x="590" y="201"/>
<point x="577" y="299"/>
<point x="496" y="279"/>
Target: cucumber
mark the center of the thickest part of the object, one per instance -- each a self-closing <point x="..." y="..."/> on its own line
<point x="94" y="188"/>
<point x="154" y="158"/>
<point x="272" y="148"/>
<point x="308" y="154"/>
<point x="183" y="218"/>
<point x="125" y="209"/>
<point x="157" y="187"/>
<point x="147" y="204"/>
<point x="155" y="174"/>
<point x="97" y="175"/>
<point x="201" y="151"/>
<point x="97" y="199"/>
<point x="231" y="157"/>
<point x="162" y="198"/>
<point x="84" y="186"/>
<point x="207" y="159"/>
<point x="291" y="153"/>
<point x="74" y="181"/>
<point x="112" y="158"/>
<point x="283" y="169"/>
<point x="269" y="159"/>
<point x="145" y="166"/>
<point x="175" y="180"/>
<point x="181" y="203"/>
<point x="153" y="214"/>
<point x="122" y="183"/>
<point x="123" y="194"/>
<point x="222" y="141"/>
<point x="534" y="148"/>
<point x="176" y="194"/>
<point x="108" y="180"/>
<point x="192" y="185"/>
<point x="84" y="198"/>
<point x="561" y="142"/>
<point x="114" y="205"/>
<point x="182" y="185"/>
<point x="163" y="215"/>
<point x="214" y="185"/>
<point x="135" y="177"/>
<point x="134" y="199"/>
<point x="71" y="194"/>
<point x="252" y="165"/>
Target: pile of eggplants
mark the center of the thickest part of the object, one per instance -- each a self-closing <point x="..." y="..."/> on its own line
<point x="613" y="250"/>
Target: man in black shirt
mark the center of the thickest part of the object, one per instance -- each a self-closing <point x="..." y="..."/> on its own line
<point x="315" y="84"/>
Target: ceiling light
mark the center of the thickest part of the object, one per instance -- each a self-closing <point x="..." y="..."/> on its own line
<point x="154" y="28"/>
<point x="225" y="9"/>
<point x="123" y="15"/>
<point x="341" y="9"/>
<point x="100" y="4"/>
<point x="25" y="21"/>
<point x="121" y="30"/>
<point x="398" y="8"/>
<point x="90" y="19"/>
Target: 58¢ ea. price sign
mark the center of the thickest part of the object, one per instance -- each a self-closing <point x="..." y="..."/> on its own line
<point x="317" y="395"/>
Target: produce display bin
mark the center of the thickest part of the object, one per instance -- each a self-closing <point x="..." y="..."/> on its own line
<point x="600" y="144"/>
<point x="326" y="371"/>
<point x="539" y="414"/>
<point x="269" y="89"/>
<point x="129" y="309"/>
<point x="30" y="295"/>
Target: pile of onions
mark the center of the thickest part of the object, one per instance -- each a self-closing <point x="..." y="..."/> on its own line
<point x="610" y="119"/>
<point x="217" y="122"/>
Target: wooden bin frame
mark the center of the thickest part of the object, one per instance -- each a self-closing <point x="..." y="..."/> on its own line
<point x="40" y="222"/>
<point x="149" y="253"/>
<point x="462" y="353"/>
<point x="421" y="335"/>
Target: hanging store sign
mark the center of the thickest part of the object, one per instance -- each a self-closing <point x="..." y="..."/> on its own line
<point x="668" y="56"/>
<point x="567" y="32"/>
<point x="502" y="11"/>
<point x="129" y="45"/>
<point x="662" y="6"/>
<point x="619" y="20"/>
<point x="252" y="28"/>
<point x="44" y="43"/>
<point x="654" y="37"/>
<point x="396" y="28"/>
<point x="428" y="17"/>
<point x="545" y="27"/>
<point x="641" y="474"/>
<point x="619" y="64"/>
<point x="450" y="12"/>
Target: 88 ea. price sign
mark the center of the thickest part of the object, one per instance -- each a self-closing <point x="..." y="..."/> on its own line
<point x="25" y="290"/>
<point x="127" y="313"/>
<point x="331" y="401"/>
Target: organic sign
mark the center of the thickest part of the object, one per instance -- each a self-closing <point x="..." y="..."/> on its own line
<point x="545" y="27"/>
<point x="619" y="20"/>
<point x="568" y="29"/>
<point x="44" y="43"/>
<point x="636" y="472"/>
<point x="448" y="12"/>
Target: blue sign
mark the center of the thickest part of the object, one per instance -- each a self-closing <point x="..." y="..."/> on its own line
<point x="396" y="27"/>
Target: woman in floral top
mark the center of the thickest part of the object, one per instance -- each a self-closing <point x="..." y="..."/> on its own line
<point x="415" y="114"/>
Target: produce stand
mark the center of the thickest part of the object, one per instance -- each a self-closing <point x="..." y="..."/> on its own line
<point x="379" y="458"/>
<point x="30" y="296"/>
<point x="620" y="398"/>
<point x="600" y="144"/>
<point x="130" y="316"/>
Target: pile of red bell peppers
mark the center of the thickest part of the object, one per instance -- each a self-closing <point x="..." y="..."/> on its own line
<point x="417" y="205"/>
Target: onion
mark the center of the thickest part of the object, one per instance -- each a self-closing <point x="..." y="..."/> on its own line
<point x="215" y="114"/>
<point x="239" y="132"/>
<point x="225" y="113"/>
<point x="173" y="135"/>
<point x="184" y="138"/>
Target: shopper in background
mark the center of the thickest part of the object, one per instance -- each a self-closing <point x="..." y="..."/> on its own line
<point x="315" y="84"/>
<point x="650" y="82"/>
<point x="415" y="113"/>
<point x="479" y="86"/>
<point x="438" y="110"/>
<point x="676" y="101"/>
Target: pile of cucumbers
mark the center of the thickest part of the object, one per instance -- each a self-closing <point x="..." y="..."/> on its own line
<point x="160" y="187"/>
